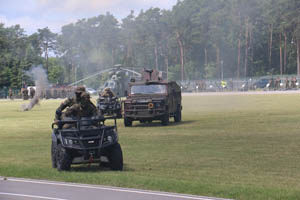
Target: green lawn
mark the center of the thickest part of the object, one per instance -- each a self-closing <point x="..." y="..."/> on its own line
<point x="238" y="146"/>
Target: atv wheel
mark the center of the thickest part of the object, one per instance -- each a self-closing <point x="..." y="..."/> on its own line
<point x="63" y="158"/>
<point x="119" y="114"/>
<point x="127" y="122"/>
<point x="165" y="120"/>
<point x="177" y="117"/>
<point x="115" y="157"/>
<point x="53" y="155"/>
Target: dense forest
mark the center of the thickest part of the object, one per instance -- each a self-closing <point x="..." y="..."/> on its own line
<point x="196" y="39"/>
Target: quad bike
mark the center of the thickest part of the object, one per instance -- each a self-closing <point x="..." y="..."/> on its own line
<point x="110" y="107"/>
<point x="85" y="140"/>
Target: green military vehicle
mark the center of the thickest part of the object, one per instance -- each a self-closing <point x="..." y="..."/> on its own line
<point x="152" y="99"/>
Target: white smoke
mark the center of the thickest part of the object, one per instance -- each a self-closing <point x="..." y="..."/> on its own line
<point x="38" y="74"/>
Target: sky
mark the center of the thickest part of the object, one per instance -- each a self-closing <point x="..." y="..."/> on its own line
<point x="35" y="14"/>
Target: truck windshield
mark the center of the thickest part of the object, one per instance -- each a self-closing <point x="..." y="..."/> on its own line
<point x="148" y="89"/>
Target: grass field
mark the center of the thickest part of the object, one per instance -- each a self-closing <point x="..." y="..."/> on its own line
<point x="234" y="146"/>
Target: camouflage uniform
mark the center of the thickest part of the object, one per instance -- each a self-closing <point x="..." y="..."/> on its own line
<point x="32" y="92"/>
<point x="107" y="93"/>
<point x="293" y="83"/>
<point x="10" y="94"/>
<point x="287" y="83"/>
<point x="72" y="111"/>
<point x="83" y="109"/>
<point x="24" y="93"/>
<point x="69" y="102"/>
<point x="87" y="108"/>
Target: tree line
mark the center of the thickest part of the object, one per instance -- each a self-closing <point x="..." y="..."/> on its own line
<point x="196" y="39"/>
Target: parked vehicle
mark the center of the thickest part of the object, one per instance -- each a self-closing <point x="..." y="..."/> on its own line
<point x="91" y="91"/>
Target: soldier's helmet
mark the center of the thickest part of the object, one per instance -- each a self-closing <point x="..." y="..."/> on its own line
<point x="85" y="97"/>
<point x="80" y="89"/>
<point x="107" y="89"/>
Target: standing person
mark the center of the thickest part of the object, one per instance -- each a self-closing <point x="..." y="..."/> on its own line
<point x="10" y="94"/>
<point x="287" y="83"/>
<point x="271" y="83"/>
<point x="293" y="83"/>
<point x="31" y="92"/>
<point x="276" y="84"/>
<point x="25" y="93"/>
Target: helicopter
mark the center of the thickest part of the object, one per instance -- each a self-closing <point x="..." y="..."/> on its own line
<point x="118" y="79"/>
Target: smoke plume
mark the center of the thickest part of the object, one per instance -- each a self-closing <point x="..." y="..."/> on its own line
<point x="38" y="74"/>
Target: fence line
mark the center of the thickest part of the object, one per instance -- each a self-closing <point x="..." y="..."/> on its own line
<point x="213" y="85"/>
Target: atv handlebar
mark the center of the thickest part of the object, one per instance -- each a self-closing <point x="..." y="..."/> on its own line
<point x="60" y="123"/>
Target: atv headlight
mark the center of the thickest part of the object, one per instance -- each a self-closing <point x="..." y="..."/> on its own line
<point x="70" y="141"/>
<point x="109" y="138"/>
<point x="102" y="107"/>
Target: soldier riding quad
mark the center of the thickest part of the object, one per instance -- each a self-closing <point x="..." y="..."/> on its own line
<point x="110" y="106"/>
<point x="85" y="140"/>
<point x="152" y="99"/>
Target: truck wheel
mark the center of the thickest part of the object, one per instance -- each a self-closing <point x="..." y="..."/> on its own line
<point x="165" y="120"/>
<point x="127" y="122"/>
<point x="177" y="117"/>
<point x="53" y="155"/>
<point x="115" y="158"/>
<point x="63" y="158"/>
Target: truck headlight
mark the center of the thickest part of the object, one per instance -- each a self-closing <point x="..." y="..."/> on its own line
<point x="150" y="105"/>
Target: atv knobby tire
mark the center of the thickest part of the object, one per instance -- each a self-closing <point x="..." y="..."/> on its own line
<point x="115" y="158"/>
<point x="127" y="122"/>
<point x="119" y="114"/>
<point x="53" y="155"/>
<point x="63" y="158"/>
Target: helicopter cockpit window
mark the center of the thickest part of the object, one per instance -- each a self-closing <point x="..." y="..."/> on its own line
<point x="109" y="84"/>
<point x="148" y="89"/>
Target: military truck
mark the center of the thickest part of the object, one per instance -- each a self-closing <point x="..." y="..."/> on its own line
<point x="152" y="99"/>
